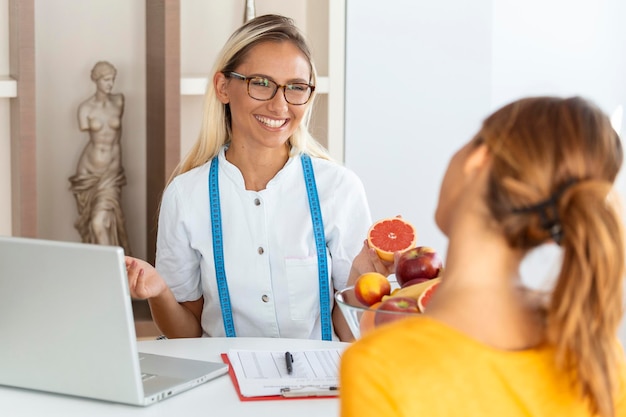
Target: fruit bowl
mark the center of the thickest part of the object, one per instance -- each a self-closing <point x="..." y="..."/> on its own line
<point x="362" y="319"/>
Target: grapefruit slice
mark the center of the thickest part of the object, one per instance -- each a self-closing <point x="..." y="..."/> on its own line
<point x="391" y="235"/>
<point x="424" y="299"/>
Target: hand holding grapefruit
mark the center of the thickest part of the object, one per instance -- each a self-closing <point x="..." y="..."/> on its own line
<point x="391" y="235"/>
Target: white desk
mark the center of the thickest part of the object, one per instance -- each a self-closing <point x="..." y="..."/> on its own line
<point x="212" y="399"/>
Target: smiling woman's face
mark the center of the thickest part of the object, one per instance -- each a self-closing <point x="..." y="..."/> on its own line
<point x="265" y="123"/>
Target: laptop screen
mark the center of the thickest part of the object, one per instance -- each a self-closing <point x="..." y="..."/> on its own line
<point x="66" y="320"/>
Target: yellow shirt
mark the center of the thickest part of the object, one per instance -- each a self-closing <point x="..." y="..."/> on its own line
<point x="420" y="367"/>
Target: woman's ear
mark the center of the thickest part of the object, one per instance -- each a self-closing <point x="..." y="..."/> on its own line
<point x="220" y="82"/>
<point x="478" y="158"/>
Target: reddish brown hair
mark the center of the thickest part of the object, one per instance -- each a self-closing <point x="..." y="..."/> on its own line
<point x="554" y="164"/>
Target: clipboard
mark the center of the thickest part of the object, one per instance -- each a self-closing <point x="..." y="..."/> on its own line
<point x="288" y="391"/>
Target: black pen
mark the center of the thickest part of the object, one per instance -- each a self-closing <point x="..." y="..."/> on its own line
<point x="289" y="362"/>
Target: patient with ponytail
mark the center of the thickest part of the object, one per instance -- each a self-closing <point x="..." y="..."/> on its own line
<point x="540" y="171"/>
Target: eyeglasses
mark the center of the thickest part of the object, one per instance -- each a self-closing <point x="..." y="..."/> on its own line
<point x="264" y="89"/>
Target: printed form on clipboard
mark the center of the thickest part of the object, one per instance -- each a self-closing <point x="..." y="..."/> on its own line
<point x="315" y="373"/>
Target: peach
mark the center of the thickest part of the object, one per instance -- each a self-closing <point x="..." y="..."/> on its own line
<point x="371" y="287"/>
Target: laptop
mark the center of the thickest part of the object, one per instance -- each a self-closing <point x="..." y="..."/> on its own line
<point x="66" y="326"/>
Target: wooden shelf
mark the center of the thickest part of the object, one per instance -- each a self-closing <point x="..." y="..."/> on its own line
<point x="8" y="87"/>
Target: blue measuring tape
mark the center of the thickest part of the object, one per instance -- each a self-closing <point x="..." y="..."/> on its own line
<point x="218" y="250"/>
<point x="320" y="244"/>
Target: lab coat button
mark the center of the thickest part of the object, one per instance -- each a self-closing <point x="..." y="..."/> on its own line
<point x="260" y="250"/>
<point x="265" y="298"/>
<point x="257" y="202"/>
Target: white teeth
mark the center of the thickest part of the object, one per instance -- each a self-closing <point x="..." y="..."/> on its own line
<point x="271" y="122"/>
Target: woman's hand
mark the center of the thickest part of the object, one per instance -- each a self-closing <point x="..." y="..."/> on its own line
<point x="368" y="261"/>
<point x="143" y="279"/>
<point x="174" y="319"/>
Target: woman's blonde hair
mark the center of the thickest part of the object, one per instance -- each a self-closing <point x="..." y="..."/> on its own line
<point x="554" y="164"/>
<point x="216" y="131"/>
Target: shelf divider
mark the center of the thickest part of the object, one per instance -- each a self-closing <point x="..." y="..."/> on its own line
<point x="162" y="106"/>
<point x="23" y="120"/>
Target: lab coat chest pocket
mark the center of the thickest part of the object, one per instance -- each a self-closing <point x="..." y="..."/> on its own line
<point x="303" y="285"/>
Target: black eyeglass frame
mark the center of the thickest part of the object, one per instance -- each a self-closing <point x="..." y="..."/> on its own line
<point x="242" y="77"/>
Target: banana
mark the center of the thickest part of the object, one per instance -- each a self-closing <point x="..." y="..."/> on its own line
<point x="413" y="291"/>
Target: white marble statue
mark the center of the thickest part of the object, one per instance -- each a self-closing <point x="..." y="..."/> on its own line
<point x="97" y="184"/>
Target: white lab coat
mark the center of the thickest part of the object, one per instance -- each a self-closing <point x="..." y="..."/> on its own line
<point x="269" y="248"/>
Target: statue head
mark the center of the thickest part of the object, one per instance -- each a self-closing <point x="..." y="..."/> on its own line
<point x="101" y="69"/>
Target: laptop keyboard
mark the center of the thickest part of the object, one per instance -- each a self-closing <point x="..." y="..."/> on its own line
<point x="145" y="377"/>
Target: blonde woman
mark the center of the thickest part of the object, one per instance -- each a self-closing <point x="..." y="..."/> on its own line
<point x="540" y="170"/>
<point x="257" y="227"/>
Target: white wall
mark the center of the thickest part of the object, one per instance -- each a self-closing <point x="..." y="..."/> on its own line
<point x="418" y="81"/>
<point x="422" y="75"/>
<point x="575" y="48"/>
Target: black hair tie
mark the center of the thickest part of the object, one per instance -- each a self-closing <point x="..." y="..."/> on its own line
<point x="548" y="212"/>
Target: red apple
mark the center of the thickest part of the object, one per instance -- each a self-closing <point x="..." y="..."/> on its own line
<point x="395" y="308"/>
<point x="371" y="287"/>
<point x="419" y="262"/>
